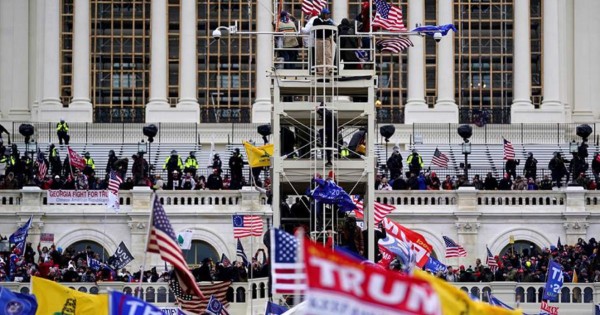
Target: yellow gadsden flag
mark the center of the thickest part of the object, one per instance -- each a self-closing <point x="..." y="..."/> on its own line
<point x="259" y="156"/>
<point x="54" y="298"/>
<point x="457" y="302"/>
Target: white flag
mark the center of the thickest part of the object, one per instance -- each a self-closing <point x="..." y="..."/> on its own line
<point x="184" y="239"/>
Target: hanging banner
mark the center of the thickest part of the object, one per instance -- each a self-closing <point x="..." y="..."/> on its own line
<point x="77" y="197"/>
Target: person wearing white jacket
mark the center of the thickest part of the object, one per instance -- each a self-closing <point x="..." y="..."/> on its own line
<point x="309" y="41"/>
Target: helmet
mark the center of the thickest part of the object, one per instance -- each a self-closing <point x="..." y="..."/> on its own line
<point x="111" y="152"/>
<point x="216" y="155"/>
<point x="192" y="153"/>
<point x="173" y="152"/>
<point x="87" y="154"/>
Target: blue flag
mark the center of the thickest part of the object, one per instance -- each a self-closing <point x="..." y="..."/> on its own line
<point x="122" y="304"/>
<point x="554" y="282"/>
<point x="240" y="253"/>
<point x="93" y="263"/>
<point x="274" y="309"/>
<point x="18" y="238"/>
<point x="496" y="302"/>
<point x="435" y="265"/>
<point x="214" y="306"/>
<point x="328" y="192"/>
<point x="403" y="251"/>
<point x="16" y="303"/>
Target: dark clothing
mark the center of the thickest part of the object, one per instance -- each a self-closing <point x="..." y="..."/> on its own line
<point x="558" y="169"/>
<point x="577" y="166"/>
<point x="140" y="171"/>
<point x="511" y="167"/>
<point x="379" y="235"/>
<point x="111" y="162"/>
<point x="399" y="184"/>
<point x="490" y="183"/>
<point x="530" y="170"/>
<point x="546" y="184"/>
<point x="394" y="165"/>
<point x="55" y="163"/>
<point x="505" y="183"/>
<point x="214" y="182"/>
<point x="324" y="33"/>
<point x="217" y="164"/>
<point x="236" y="164"/>
<point x="348" y="45"/>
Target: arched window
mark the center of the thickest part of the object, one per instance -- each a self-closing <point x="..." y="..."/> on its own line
<point x="521" y="248"/>
<point x="199" y="251"/>
<point x="96" y="248"/>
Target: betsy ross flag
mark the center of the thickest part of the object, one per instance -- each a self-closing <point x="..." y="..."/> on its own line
<point x="75" y="159"/>
<point x="453" y="249"/>
<point x="287" y="269"/>
<point x="381" y="210"/>
<point x="388" y="17"/>
<point x="247" y="225"/>
<point x="193" y="303"/>
<point x="509" y="150"/>
<point x="163" y="242"/>
<point x="439" y="159"/>
<point x="394" y="45"/>
<point x="491" y="261"/>
<point x="41" y="165"/>
<point x="310" y="5"/>
<point x="114" y="182"/>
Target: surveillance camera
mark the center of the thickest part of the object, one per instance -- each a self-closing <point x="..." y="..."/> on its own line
<point x="437" y="36"/>
<point x="216" y="34"/>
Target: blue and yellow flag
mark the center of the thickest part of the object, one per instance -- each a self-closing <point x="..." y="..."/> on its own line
<point x="259" y="156"/>
<point x="454" y="301"/>
<point x="54" y="298"/>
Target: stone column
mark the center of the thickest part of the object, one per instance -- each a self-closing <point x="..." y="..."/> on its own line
<point x="521" y="63"/>
<point x="51" y="87"/>
<point x="158" y="59"/>
<point x="551" y="90"/>
<point x="445" y="106"/>
<point x="340" y="10"/>
<point x="261" y="109"/>
<point x="188" y="64"/>
<point x="585" y="47"/>
<point x="81" y="55"/>
<point x="415" y="108"/>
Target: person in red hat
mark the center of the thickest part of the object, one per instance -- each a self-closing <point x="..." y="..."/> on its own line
<point x="15" y="261"/>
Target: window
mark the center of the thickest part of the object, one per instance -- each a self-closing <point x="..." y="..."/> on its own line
<point x="526" y="248"/>
<point x="96" y="248"/>
<point x="199" y="251"/>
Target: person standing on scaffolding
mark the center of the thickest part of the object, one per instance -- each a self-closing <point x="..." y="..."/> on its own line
<point x="288" y="44"/>
<point x="324" y="42"/>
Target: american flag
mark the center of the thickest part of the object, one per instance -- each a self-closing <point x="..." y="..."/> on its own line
<point x="309" y="5"/>
<point x="287" y="269"/>
<point x="453" y="249"/>
<point x="163" y="242"/>
<point x="247" y="225"/>
<point x="509" y="150"/>
<point x="240" y="253"/>
<point x="388" y="17"/>
<point x="491" y="261"/>
<point x="439" y="159"/>
<point x="195" y="304"/>
<point x="381" y="210"/>
<point x="114" y="182"/>
<point x="42" y="166"/>
<point x="394" y="45"/>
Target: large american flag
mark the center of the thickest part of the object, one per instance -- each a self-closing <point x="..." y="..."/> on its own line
<point x="439" y="159"/>
<point x="287" y="270"/>
<point x="195" y="304"/>
<point x="453" y="249"/>
<point x="309" y="5"/>
<point x="394" y="45"/>
<point x="509" y="150"/>
<point x="42" y="166"/>
<point x="114" y="182"/>
<point x="381" y="210"/>
<point x="247" y="225"/>
<point x="491" y="261"/>
<point x="163" y="242"/>
<point x="388" y="17"/>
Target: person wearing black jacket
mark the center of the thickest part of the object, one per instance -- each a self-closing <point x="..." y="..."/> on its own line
<point x="379" y="235"/>
<point x="349" y="45"/>
<point x="236" y="164"/>
<point x="596" y="167"/>
<point x="214" y="181"/>
<point x="112" y="158"/>
<point x="530" y="170"/>
<point x="511" y="167"/>
<point x="490" y="182"/>
<point x="394" y="164"/>
<point x="54" y="159"/>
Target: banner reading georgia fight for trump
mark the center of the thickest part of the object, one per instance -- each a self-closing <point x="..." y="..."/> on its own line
<point x="339" y="284"/>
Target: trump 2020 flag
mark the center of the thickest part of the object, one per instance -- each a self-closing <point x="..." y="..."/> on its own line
<point x="18" y="238"/>
<point x="16" y="303"/>
<point x="435" y="265"/>
<point x="274" y="309"/>
<point x="554" y="282"/>
<point x="328" y="192"/>
<point x="122" y="304"/>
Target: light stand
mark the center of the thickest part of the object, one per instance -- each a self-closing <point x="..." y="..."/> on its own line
<point x="387" y="131"/>
<point x="150" y="131"/>
<point x="465" y="131"/>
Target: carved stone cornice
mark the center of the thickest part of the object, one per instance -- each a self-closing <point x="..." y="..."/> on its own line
<point x="467" y="227"/>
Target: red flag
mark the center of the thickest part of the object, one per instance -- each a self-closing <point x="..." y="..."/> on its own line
<point x="75" y="159"/>
<point x="339" y="284"/>
<point x="420" y="245"/>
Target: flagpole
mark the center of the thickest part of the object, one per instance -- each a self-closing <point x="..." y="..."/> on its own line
<point x="143" y="267"/>
<point x="251" y="272"/>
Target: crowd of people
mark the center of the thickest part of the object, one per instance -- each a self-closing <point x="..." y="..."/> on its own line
<point x="573" y="172"/>
<point x="51" y="262"/>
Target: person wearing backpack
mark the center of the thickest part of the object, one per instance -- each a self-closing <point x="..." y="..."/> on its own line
<point x="415" y="162"/>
